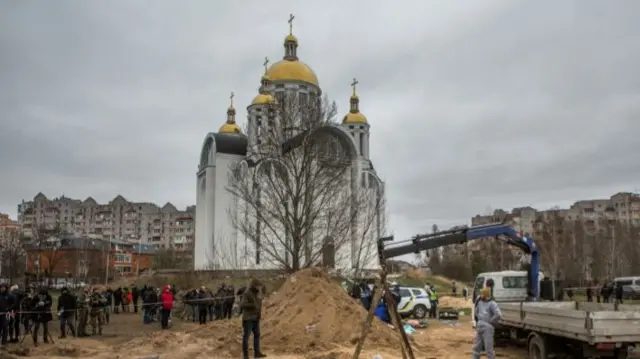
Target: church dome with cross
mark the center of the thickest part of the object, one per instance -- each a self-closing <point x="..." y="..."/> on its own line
<point x="290" y="68"/>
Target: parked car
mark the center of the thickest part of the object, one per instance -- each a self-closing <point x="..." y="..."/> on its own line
<point x="630" y="287"/>
<point x="414" y="301"/>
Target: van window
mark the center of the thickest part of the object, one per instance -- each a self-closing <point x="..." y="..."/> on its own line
<point x="514" y="282"/>
<point x="624" y="282"/>
<point x="477" y="286"/>
<point x="637" y="282"/>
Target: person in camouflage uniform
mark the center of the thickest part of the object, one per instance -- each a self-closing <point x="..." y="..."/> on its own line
<point x="83" y="310"/>
<point x="96" y="313"/>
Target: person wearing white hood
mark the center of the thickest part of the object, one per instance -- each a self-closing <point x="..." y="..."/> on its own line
<point x="487" y="315"/>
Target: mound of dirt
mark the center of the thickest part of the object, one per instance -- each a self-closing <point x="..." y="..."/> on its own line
<point x="309" y="313"/>
<point x="454" y="302"/>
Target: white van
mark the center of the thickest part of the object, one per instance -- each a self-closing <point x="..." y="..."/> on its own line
<point x="508" y="286"/>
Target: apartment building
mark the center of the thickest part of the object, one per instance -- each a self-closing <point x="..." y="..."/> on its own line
<point x="163" y="227"/>
<point x="6" y="225"/>
<point x="621" y="207"/>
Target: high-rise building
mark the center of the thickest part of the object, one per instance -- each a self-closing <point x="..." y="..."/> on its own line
<point x="621" y="207"/>
<point x="164" y="227"/>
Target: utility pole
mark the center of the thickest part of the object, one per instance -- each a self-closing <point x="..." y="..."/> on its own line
<point x="106" y="270"/>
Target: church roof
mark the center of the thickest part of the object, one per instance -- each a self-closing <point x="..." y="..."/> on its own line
<point x="231" y="143"/>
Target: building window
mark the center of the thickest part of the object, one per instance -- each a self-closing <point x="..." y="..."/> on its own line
<point x="122" y="258"/>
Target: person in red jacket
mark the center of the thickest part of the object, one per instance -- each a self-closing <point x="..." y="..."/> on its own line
<point x="167" y="305"/>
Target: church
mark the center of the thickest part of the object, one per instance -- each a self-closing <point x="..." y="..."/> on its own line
<point x="223" y="238"/>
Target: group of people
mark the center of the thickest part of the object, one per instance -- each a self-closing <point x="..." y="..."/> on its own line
<point x="204" y="304"/>
<point x="28" y="310"/>
<point x="604" y="293"/>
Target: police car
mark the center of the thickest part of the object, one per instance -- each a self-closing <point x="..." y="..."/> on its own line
<point x="414" y="301"/>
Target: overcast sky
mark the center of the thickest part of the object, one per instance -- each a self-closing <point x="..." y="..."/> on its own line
<point x="473" y="104"/>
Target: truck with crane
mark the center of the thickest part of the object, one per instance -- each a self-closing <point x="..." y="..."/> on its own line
<point x="549" y="329"/>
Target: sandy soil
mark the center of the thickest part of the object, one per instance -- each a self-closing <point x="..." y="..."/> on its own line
<point x="454" y="302"/>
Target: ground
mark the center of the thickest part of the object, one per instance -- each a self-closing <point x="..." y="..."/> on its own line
<point x="126" y="330"/>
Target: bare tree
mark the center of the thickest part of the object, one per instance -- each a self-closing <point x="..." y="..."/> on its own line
<point x="294" y="194"/>
<point x="552" y="242"/>
<point x="12" y="253"/>
<point x="47" y="247"/>
<point x="372" y="225"/>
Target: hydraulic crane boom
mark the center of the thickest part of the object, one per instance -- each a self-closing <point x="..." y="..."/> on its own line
<point x="461" y="235"/>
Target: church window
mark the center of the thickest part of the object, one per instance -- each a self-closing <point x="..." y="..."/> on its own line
<point x="362" y="143"/>
<point x="303" y="99"/>
<point x="279" y="86"/>
<point x="351" y="127"/>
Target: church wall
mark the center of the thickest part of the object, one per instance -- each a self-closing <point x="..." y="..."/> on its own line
<point x="225" y="236"/>
<point x="199" y="245"/>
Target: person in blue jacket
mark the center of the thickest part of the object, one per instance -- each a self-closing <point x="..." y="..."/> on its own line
<point x="382" y="313"/>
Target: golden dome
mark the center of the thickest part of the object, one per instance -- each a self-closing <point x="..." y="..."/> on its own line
<point x="291" y="38"/>
<point x="229" y="128"/>
<point x="263" y="99"/>
<point x="354" y="118"/>
<point x="292" y="70"/>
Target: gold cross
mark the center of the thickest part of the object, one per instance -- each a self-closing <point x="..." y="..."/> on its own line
<point x="266" y="64"/>
<point x="291" y="17"/>
<point x="232" y="95"/>
<point x="353" y="85"/>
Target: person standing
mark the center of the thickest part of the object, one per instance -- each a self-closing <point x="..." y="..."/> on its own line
<point x="42" y="315"/>
<point x="83" y="312"/>
<point x="5" y="307"/>
<point x="433" y="299"/>
<point x="251" y="304"/>
<point x="66" y="308"/>
<point x="97" y="302"/>
<point x="487" y="314"/>
<point x="167" y="305"/>
<point x="15" y="315"/>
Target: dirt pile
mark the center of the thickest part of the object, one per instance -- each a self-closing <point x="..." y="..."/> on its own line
<point x="454" y="302"/>
<point x="308" y="313"/>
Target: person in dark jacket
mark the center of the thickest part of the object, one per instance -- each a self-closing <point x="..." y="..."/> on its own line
<point x="41" y="306"/>
<point x="619" y="291"/>
<point x="14" y="314"/>
<point x="228" y="301"/>
<point x="66" y="310"/>
<point x="5" y="306"/>
<point x="251" y="304"/>
<point x="149" y="301"/>
<point x="135" y="292"/>
<point x="117" y="300"/>
<point x="202" y="301"/>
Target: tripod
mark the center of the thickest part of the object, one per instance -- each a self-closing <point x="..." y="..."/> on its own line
<point x="29" y="330"/>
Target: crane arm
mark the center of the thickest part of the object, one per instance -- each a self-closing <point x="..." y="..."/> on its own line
<point x="461" y="235"/>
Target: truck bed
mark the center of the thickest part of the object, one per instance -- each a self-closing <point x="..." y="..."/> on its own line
<point x="587" y="322"/>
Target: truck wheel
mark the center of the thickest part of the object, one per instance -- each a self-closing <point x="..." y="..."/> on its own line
<point x="419" y="311"/>
<point x="537" y="347"/>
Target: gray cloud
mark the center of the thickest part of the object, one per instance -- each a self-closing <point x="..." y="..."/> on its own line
<point x="472" y="104"/>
